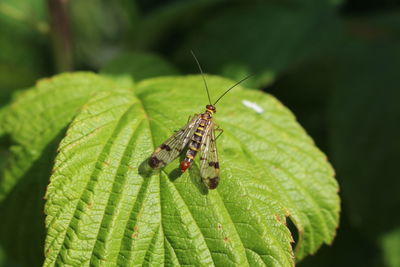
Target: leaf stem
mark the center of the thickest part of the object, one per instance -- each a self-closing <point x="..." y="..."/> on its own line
<point x="61" y="34"/>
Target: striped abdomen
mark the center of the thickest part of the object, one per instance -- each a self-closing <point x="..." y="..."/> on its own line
<point x="194" y="146"/>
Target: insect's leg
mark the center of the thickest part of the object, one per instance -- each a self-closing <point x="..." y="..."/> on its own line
<point x="219" y="130"/>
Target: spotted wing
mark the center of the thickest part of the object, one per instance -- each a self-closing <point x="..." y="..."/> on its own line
<point x="173" y="146"/>
<point x="209" y="166"/>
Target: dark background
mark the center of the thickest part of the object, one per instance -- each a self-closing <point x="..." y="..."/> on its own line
<point x="334" y="63"/>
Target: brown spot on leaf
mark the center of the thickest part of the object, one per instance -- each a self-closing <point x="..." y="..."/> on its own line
<point x="135" y="231"/>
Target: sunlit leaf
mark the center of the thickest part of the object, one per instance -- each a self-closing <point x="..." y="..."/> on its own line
<point x="35" y="123"/>
<point x="104" y="206"/>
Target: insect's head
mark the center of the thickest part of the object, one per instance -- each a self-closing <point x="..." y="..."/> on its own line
<point x="211" y="109"/>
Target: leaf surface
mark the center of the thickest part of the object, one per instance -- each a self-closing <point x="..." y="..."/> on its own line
<point x="263" y="38"/>
<point x="23" y="54"/>
<point x="364" y="115"/>
<point x="35" y="123"/>
<point x="100" y="29"/>
<point x="104" y="206"/>
<point x="138" y="66"/>
<point x="390" y="243"/>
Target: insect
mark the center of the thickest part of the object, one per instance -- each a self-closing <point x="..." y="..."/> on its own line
<point x="197" y="135"/>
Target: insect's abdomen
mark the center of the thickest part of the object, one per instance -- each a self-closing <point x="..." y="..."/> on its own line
<point x="194" y="146"/>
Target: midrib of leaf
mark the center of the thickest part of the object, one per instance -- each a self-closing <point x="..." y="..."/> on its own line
<point x="239" y="249"/>
<point x="160" y="228"/>
<point x="167" y="245"/>
<point x="132" y="225"/>
<point x="174" y="261"/>
<point x="137" y="208"/>
<point x="136" y="242"/>
<point x="150" y="259"/>
<point x="189" y="223"/>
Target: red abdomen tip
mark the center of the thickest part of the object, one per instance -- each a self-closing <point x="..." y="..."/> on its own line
<point x="184" y="165"/>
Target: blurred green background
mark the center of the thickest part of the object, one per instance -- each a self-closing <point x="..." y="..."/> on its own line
<point x="334" y="63"/>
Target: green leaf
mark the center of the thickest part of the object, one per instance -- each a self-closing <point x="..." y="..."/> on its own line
<point x="154" y="28"/>
<point x="4" y="261"/>
<point x="23" y="29"/>
<point x="264" y="39"/>
<point x="105" y="207"/>
<point x="138" y="66"/>
<point x="99" y="29"/>
<point x="28" y="14"/>
<point x="366" y="253"/>
<point x="163" y="19"/>
<point x="364" y="115"/>
<point x="390" y="243"/>
<point x="35" y="123"/>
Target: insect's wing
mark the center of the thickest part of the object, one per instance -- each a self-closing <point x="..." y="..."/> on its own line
<point x="173" y="146"/>
<point x="209" y="166"/>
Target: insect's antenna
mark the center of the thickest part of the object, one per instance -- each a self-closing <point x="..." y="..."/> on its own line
<point x="233" y="86"/>
<point x="202" y="75"/>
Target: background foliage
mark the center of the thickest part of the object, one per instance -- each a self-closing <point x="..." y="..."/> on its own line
<point x="333" y="63"/>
